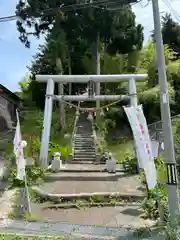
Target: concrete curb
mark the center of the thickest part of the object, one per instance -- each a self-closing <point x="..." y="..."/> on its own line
<point x="87" y="171"/>
<point x="85" y="204"/>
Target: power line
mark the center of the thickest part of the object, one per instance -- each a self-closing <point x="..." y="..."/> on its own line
<point x="101" y="4"/>
<point x="176" y="15"/>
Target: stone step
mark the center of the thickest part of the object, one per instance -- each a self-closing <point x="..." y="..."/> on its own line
<point x="76" y="147"/>
<point x="84" y="144"/>
<point x="87" y="149"/>
<point x="84" y="133"/>
<point x="84" y="130"/>
<point x="102" y="176"/>
<point x="84" y="138"/>
<point x="132" y="195"/>
<point x="85" y="204"/>
<point x="84" y="150"/>
<point x="90" y="163"/>
<point x="81" y="158"/>
<point x="89" y="168"/>
<point x="89" y="136"/>
<point x="84" y="141"/>
<point x="82" y="161"/>
<point x="86" y="157"/>
<point x="84" y="153"/>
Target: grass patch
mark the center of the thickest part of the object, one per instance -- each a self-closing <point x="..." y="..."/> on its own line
<point x="31" y="217"/>
<point x="20" y="237"/>
<point x="119" y="150"/>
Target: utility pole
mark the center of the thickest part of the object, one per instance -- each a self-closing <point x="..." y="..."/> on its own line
<point x="61" y="92"/>
<point x="172" y="183"/>
<point x="98" y="72"/>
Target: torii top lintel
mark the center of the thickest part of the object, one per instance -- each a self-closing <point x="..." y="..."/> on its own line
<point x="96" y="78"/>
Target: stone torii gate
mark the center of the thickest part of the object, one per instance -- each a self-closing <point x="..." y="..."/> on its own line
<point x="63" y="79"/>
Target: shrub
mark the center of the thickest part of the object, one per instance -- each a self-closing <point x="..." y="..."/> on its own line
<point x="64" y="150"/>
<point x="150" y="204"/>
<point x="34" y="175"/>
<point x="130" y="162"/>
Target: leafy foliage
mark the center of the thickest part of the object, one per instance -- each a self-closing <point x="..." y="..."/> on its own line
<point x="71" y="36"/>
<point x="64" y="150"/>
<point x="171" y="34"/>
<point x="34" y="175"/>
<point x="130" y="162"/>
<point x="21" y="237"/>
<point x="150" y="204"/>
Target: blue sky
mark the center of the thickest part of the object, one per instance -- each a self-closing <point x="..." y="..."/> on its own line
<point x="14" y="57"/>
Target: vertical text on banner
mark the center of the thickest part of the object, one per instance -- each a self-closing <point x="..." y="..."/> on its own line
<point x="143" y="143"/>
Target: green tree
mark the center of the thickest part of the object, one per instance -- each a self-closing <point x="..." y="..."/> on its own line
<point x="113" y="26"/>
<point x="171" y="34"/>
<point x="71" y="35"/>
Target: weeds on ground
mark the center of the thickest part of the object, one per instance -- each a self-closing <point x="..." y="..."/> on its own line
<point x="20" y="237"/>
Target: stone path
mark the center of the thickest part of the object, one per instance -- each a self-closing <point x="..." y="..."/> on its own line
<point x="71" y="231"/>
<point x="6" y="203"/>
<point x="88" y="167"/>
<point x="75" y="224"/>
<point x="119" y="216"/>
<point x="6" y="196"/>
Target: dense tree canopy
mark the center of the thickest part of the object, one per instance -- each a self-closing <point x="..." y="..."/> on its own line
<point x="116" y="28"/>
<point x="71" y="36"/>
<point x="171" y="33"/>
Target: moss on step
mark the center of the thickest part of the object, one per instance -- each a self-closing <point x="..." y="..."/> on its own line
<point x="81" y="202"/>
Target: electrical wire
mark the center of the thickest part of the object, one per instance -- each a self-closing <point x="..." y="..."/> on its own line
<point x="176" y="15"/>
<point x="78" y="6"/>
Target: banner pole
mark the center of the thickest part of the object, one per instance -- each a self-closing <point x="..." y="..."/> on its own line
<point x="27" y="207"/>
<point x="158" y="204"/>
<point x="27" y="196"/>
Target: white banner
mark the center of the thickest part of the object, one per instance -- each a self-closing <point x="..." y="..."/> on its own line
<point x="150" y="169"/>
<point x="143" y="143"/>
<point x="18" y="151"/>
<point x="131" y="114"/>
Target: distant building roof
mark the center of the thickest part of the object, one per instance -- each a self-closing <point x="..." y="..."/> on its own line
<point x="6" y="90"/>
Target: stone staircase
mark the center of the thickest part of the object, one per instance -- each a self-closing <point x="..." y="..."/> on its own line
<point x="84" y="149"/>
<point x="85" y="193"/>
